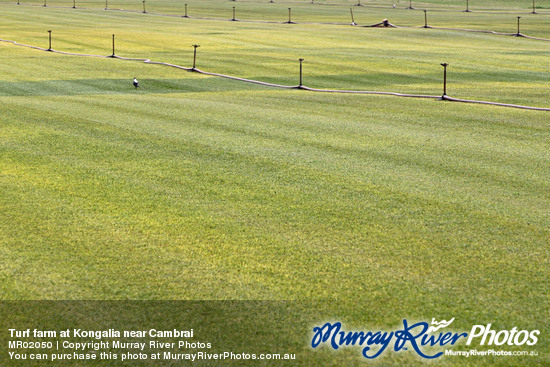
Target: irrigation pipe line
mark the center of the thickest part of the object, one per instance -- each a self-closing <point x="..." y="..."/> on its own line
<point x="488" y="32"/>
<point x="447" y="98"/>
<point x="482" y="11"/>
<point x="301" y="87"/>
<point x="384" y="23"/>
<point x="479" y="11"/>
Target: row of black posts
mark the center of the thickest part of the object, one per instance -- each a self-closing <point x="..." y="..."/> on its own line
<point x="289" y="9"/>
<point x="184" y="16"/>
<point x="301" y="60"/>
<point x="106" y="5"/>
<point x="290" y="14"/>
<point x="411" y="6"/>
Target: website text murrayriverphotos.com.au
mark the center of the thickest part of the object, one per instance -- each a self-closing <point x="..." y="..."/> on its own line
<point x="421" y="336"/>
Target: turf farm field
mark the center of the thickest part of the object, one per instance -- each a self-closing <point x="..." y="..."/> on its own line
<point x="198" y="187"/>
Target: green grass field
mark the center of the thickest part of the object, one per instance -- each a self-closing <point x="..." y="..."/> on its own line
<point x="202" y="188"/>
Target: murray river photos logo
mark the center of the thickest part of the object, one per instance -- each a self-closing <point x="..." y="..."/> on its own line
<point x="417" y="337"/>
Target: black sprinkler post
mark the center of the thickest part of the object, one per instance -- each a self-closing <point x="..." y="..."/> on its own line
<point x="50" y="40"/>
<point x="289" y="16"/>
<point x="534" y="11"/>
<point x="74" y="4"/>
<point x="144" y="6"/>
<point x="467" y="6"/>
<point x="425" y="19"/>
<point x="301" y="60"/>
<point x="195" y="55"/>
<point x="106" y="5"/>
<point x="444" y="80"/>
<point x="186" y="16"/>
<point x="410" y="5"/>
<point x="113" y="55"/>
<point x="234" y="19"/>
<point x="358" y="3"/>
<point x="518" y="34"/>
<point x="352" y="20"/>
